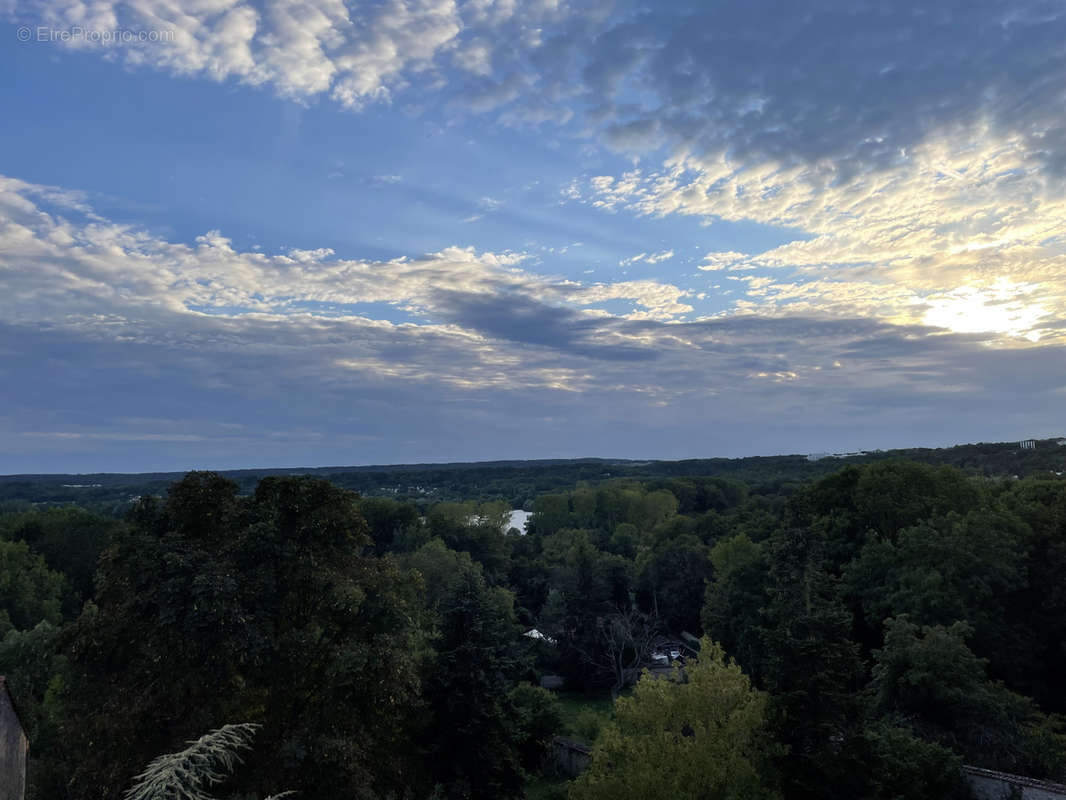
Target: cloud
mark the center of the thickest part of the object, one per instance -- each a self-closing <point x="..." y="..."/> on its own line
<point x="862" y="87"/>
<point x="647" y="258"/>
<point x="957" y="220"/>
<point x="81" y="271"/>
<point x="723" y="259"/>
<point x="110" y="319"/>
<point x="355" y="55"/>
<point x="911" y="157"/>
<point x="851" y="85"/>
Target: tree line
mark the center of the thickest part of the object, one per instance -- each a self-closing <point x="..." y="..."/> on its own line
<point x="520" y="482"/>
<point x="863" y="635"/>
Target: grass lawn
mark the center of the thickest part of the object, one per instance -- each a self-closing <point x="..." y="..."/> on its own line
<point x="582" y="714"/>
<point x="543" y="788"/>
<point x="578" y="710"/>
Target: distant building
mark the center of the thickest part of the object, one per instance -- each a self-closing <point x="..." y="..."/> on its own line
<point x="1028" y="444"/>
<point x="518" y="520"/>
<point x="820" y="456"/>
<point x="1061" y="442"/>
<point x="13" y="748"/>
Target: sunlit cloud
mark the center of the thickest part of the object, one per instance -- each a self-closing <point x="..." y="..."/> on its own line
<point x="355" y="55"/>
<point x="800" y="223"/>
<point x="1002" y="308"/>
<point x="647" y="258"/>
<point x="964" y="235"/>
<point x="101" y="276"/>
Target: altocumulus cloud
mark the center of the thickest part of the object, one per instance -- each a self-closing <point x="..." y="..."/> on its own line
<point x="353" y="54"/>
<point x="232" y="342"/>
<point x="916" y="152"/>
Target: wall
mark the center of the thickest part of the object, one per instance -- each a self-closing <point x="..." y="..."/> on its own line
<point x="13" y="747"/>
<point x="990" y="785"/>
<point x="568" y="758"/>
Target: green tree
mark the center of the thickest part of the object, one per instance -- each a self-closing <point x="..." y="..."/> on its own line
<point x="206" y="762"/>
<point x="735" y="597"/>
<point x="438" y="566"/>
<point x="811" y="666"/>
<point x="1036" y="611"/>
<point x="474" y="529"/>
<point x="673" y="582"/>
<point x="929" y="676"/>
<point x="214" y="607"/>
<point x="473" y="738"/>
<point x="70" y="539"/>
<point x="947" y="568"/>
<point x="586" y="587"/>
<point x="29" y="591"/>
<point x="653" y="509"/>
<point x="393" y="525"/>
<point x="30" y="662"/>
<point x="706" y="736"/>
<point x="537" y="719"/>
<point x="891" y="763"/>
<point x="551" y="512"/>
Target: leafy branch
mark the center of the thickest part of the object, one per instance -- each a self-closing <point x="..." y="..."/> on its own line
<point x="206" y="762"/>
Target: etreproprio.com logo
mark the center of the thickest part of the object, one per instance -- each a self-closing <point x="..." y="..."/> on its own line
<point x="78" y="34"/>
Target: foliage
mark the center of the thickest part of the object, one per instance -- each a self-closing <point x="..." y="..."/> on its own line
<point x="900" y="617"/>
<point x="208" y="761"/>
<point x="70" y="539"/>
<point x="26" y="661"/>
<point x="29" y="591"/>
<point x="811" y="666"/>
<point x="623" y="645"/>
<point x="475" y="735"/>
<point x="673" y="581"/>
<point x="583" y="715"/>
<point x="213" y="606"/>
<point x="734" y="598"/>
<point x="537" y="718"/>
<point x="929" y="675"/>
<point x="892" y="763"/>
<point x="705" y="736"/>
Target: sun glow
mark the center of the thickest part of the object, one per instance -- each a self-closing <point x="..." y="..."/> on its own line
<point x="1004" y="307"/>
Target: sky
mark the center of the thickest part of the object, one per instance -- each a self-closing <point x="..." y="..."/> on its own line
<point x="330" y="233"/>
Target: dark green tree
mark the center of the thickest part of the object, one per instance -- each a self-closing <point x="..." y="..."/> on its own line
<point x="811" y="667"/>
<point x="215" y="607"/>
<point x="29" y="591"/>
<point x="928" y="676"/>
<point x="70" y="539"/>
<point x="673" y="582"/>
<point x="735" y="597"/>
<point x="392" y="525"/>
<point x="474" y="735"/>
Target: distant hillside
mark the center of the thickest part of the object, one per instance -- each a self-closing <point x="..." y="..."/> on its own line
<point x="519" y="482"/>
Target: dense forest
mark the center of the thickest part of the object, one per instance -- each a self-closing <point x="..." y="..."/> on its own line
<point x="843" y="630"/>
<point x="520" y="482"/>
